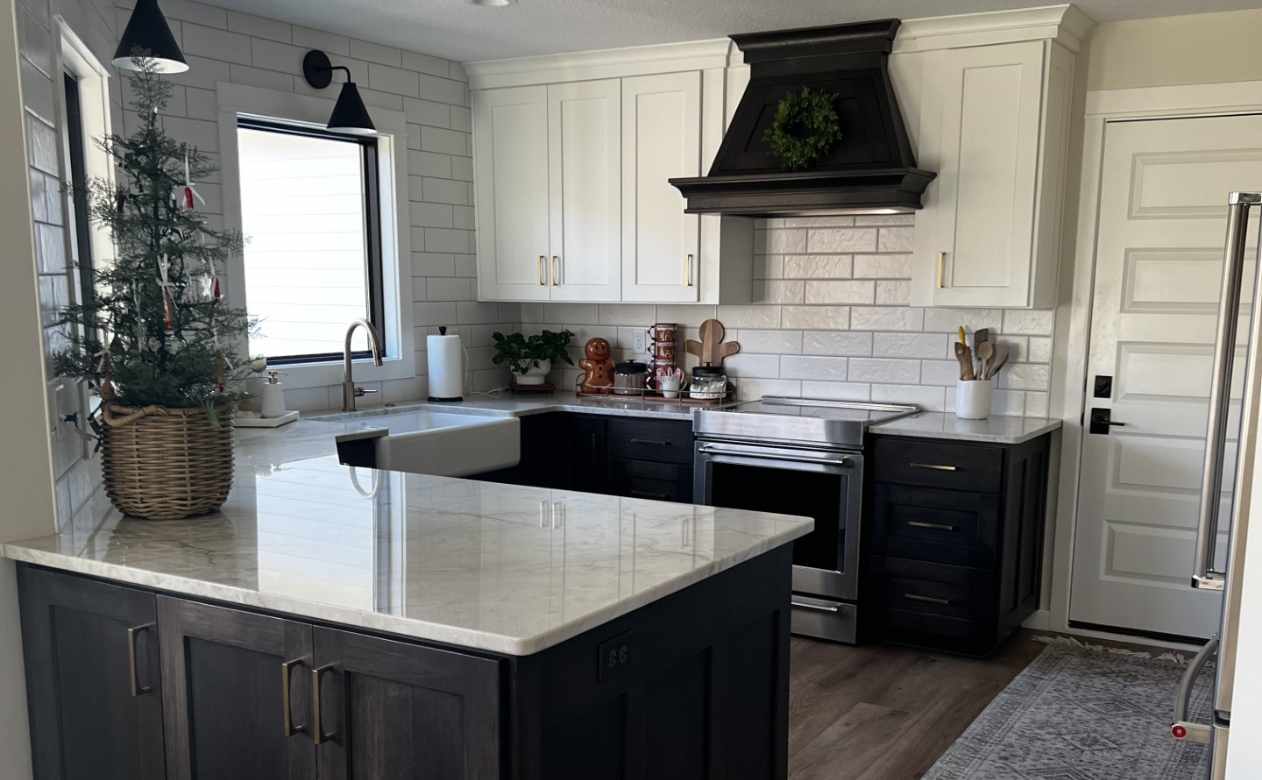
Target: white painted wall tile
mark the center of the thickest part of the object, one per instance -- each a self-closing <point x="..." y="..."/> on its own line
<point x="774" y="342"/>
<point x="817" y="266"/>
<point x="752" y="316"/>
<point x="909" y="345"/>
<point x="895" y="239"/>
<point x="779" y="242"/>
<point x="836" y="391"/>
<point x="1033" y="322"/>
<point x="949" y="320"/>
<point x="895" y="292"/>
<point x="839" y="292"/>
<point x="818" y="317"/>
<point x="932" y="399"/>
<point x="778" y="291"/>
<point x="841" y="240"/>
<point x="836" y="342"/>
<point x="886" y="370"/>
<point x="882" y="266"/>
<point x="753" y="389"/>
<point x="886" y="318"/>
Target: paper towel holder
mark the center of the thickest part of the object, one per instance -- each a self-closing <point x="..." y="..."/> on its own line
<point x="445" y="358"/>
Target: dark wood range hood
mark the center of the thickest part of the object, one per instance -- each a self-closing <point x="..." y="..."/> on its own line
<point x="871" y="170"/>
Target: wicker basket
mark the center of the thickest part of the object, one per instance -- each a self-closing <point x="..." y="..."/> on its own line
<point x="166" y="464"/>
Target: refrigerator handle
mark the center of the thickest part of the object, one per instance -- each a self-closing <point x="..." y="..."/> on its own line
<point x="1182" y="729"/>
<point x="1204" y="575"/>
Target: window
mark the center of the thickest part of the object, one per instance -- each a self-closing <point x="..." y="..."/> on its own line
<point x="80" y="216"/>
<point x="310" y="213"/>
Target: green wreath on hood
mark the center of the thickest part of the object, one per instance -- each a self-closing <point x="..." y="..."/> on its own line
<point x="805" y="128"/>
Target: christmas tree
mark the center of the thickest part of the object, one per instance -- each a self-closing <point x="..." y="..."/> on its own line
<point x="157" y="331"/>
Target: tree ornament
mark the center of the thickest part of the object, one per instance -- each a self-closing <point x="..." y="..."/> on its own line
<point x="805" y="128"/>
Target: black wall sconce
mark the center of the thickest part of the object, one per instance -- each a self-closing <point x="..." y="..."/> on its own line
<point x="148" y="36"/>
<point x="349" y="114"/>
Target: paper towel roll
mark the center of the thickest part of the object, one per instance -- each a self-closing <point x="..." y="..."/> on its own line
<point x="446" y="367"/>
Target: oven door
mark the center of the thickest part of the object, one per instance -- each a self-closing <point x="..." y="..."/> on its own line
<point x="824" y="485"/>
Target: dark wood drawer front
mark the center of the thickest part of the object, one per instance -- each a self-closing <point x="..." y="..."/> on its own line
<point x="929" y="524"/>
<point x="938" y="589"/>
<point x="664" y="441"/>
<point x="647" y="479"/>
<point x="973" y="467"/>
<point x="972" y="637"/>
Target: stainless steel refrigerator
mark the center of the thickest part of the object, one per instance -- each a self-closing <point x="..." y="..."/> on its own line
<point x="1212" y="571"/>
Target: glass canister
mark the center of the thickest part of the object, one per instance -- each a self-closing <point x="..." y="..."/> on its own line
<point x="709" y="383"/>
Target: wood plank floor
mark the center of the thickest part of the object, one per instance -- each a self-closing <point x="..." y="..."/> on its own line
<point x="876" y="712"/>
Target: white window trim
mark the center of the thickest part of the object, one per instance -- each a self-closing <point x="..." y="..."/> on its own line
<point x="72" y="55"/>
<point x="236" y="100"/>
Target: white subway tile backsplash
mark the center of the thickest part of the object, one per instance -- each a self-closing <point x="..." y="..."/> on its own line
<point x="1040" y="350"/>
<point x="836" y="342"/>
<point x="939" y="372"/>
<point x="931" y="399"/>
<point x="814" y="367"/>
<point x="1036" y="404"/>
<point x="817" y="266"/>
<point x="758" y="366"/>
<point x="779" y="242"/>
<point x="777" y="342"/>
<point x="882" y="266"/>
<point x="886" y="370"/>
<point x="895" y="239"/>
<point x="1025" y="376"/>
<point x="751" y="316"/>
<point x="836" y="391"/>
<point x="778" y="291"/>
<point x="950" y="320"/>
<point x="841" y="240"/>
<point x="818" y="317"/>
<point x="909" y="345"/>
<point x="886" y="318"/>
<point x="1033" y="322"/>
<point x="893" y="292"/>
<point x="856" y="291"/>
<point x="753" y="389"/>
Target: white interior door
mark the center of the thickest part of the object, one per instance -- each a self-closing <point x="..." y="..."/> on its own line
<point x="510" y="138"/>
<point x="1162" y="226"/>
<point x="661" y="139"/>
<point x="585" y="161"/>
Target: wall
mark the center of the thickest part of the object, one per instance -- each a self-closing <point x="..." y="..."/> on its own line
<point x="222" y="46"/>
<point x="831" y="320"/>
<point x="1194" y="49"/>
<point x="26" y="459"/>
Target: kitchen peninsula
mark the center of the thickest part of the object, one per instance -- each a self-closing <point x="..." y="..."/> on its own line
<point x="341" y="622"/>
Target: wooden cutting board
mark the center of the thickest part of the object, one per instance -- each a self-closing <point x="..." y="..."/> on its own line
<point x="711" y="350"/>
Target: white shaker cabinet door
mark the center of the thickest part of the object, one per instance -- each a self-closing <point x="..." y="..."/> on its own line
<point x="980" y="131"/>
<point x="584" y="158"/>
<point x="661" y="139"/>
<point x="510" y="139"/>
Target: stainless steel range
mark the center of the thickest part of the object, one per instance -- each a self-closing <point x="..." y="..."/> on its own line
<point x="798" y="456"/>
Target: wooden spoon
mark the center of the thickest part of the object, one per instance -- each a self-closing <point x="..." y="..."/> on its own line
<point x="1000" y="357"/>
<point x="965" y="358"/>
<point x="985" y="351"/>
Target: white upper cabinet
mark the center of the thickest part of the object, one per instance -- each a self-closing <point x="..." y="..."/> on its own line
<point x="584" y="158"/>
<point x="661" y="132"/>
<point x="993" y="124"/>
<point x="511" y="186"/>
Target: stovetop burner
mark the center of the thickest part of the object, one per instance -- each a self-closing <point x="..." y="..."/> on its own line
<point x="810" y="422"/>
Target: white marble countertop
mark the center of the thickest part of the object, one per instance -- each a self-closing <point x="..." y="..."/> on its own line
<point x="494" y="567"/>
<point x="997" y="429"/>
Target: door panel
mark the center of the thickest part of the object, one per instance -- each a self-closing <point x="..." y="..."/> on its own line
<point x="1162" y="223"/>
<point x="661" y="138"/>
<point x="224" y="701"/>
<point x="86" y="720"/>
<point x="406" y="711"/>
<point x="510" y="135"/>
<point x="585" y="165"/>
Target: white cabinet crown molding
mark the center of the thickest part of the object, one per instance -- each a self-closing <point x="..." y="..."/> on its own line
<point x="602" y="64"/>
<point x="1065" y="24"/>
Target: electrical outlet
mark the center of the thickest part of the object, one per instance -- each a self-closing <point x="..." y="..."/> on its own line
<point x="637" y="342"/>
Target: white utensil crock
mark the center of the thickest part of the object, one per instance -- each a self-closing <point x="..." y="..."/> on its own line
<point x="972" y="399"/>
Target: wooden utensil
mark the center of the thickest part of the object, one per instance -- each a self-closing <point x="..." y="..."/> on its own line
<point x="964" y="356"/>
<point x="997" y="361"/>
<point x="985" y="352"/>
<point x="980" y="336"/>
<point x="728" y="349"/>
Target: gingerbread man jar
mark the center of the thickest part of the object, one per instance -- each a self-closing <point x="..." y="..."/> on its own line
<point x="597" y="367"/>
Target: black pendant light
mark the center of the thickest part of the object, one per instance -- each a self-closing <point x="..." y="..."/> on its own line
<point x="148" y="36"/>
<point x="349" y="113"/>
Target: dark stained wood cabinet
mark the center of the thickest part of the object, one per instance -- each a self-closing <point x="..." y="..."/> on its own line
<point x="694" y="685"/>
<point x="94" y="686"/>
<point x="224" y="703"/>
<point x="954" y="541"/>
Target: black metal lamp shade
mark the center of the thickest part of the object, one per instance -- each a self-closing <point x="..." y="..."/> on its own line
<point x="350" y="115"/>
<point x="148" y="36"/>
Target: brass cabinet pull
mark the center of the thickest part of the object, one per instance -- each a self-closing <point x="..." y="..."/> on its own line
<point x="543" y="271"/>
<point x="688" y="270"/>
<point x="136" y="688"/>
<point x="927" y="599"/>
<point x="318" y="734"/>
<point x="934" y="526"/>
<point x="941" y="269"/>
<point x="934" y="466"/>
<point x="556" y="271"/>
<point x="287" y="710"/>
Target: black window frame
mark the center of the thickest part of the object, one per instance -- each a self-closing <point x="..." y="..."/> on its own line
<point x="85" y="264"/>
<point x="369" y="160"/>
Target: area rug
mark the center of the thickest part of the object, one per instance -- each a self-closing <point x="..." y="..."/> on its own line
<point x="1082" y="712"/>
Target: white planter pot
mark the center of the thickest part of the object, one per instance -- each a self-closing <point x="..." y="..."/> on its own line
<point x="972" y="399"/>
<point x="535" y="375"/>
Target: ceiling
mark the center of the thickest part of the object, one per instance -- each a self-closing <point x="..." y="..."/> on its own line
<point x="458" y="30"/>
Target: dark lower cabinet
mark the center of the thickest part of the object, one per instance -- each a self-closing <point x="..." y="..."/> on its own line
<point x="622" y="456"/>
<point x="227" y="713"/>
<point x="954" y="541"/>
<point x="694" y="685"/>
<point x="94" y="687"/>
<point x="396" y="709"/>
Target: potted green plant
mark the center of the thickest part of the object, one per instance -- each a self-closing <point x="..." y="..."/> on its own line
<point x="157" y="341"/>
<point x="529" y="358"/>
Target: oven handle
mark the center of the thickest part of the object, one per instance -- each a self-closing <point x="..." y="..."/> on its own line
<point x="714" y="449"/>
